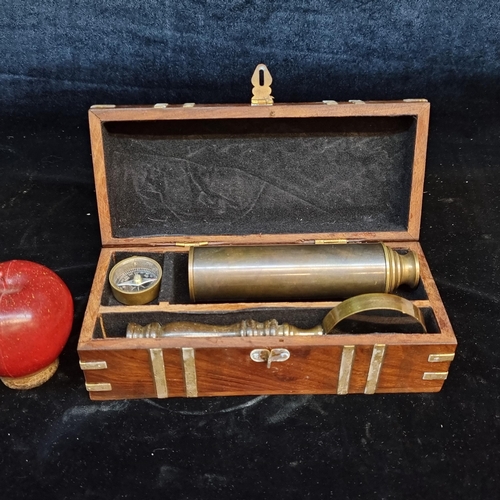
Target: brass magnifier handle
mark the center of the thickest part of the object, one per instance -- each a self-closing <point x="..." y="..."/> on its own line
<point x="251" y="328"/>
<point x="245" y="328"/>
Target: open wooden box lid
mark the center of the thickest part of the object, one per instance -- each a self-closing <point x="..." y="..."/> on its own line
<point x="245" y="174"/>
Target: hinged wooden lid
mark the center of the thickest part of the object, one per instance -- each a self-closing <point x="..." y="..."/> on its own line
<point x="243" y="174"/>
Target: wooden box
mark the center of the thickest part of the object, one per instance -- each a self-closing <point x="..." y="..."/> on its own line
<point x="172" y="176"/>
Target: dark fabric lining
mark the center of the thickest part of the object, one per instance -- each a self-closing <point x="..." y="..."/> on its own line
<point x="259" y="175"/>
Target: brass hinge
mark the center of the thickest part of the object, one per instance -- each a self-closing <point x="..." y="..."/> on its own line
<point x="261" y="91"/>
<point x="262" y="102"/>
<point x="191" y="244"/>
<point x="331" y="242"/>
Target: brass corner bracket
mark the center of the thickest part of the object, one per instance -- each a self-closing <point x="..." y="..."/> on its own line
<point x="261" y="91"/>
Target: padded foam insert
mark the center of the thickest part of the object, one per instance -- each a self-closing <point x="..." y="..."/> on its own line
<point x="251" y="176"/>
<point x="115" y="324"/>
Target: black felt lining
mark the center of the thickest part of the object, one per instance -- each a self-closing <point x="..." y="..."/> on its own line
<point x="115" y="324"/>
<point x="174" y="287"/>
<point x="256" y="176"/>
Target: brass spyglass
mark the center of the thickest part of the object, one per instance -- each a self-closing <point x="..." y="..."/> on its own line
<point x="298" y="272"/>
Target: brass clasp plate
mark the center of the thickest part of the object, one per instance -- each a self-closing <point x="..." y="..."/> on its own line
<point x="269" y="356"/>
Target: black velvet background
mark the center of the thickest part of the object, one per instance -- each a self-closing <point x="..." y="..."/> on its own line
<point x="63" y="57"/>
<point x="58" y="57"/>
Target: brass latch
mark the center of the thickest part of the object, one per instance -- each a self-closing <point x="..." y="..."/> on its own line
<point x="269" y="356"/>
<point x="261" y="81"/>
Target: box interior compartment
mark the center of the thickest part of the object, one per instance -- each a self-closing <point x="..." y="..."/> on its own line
<point x="174" y="283"/>
<point x="114" y="324"/>
<point x="259" y="176"/>
<point x="174" y="287"/>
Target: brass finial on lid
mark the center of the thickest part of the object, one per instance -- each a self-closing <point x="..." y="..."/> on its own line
<point x="261" y="81"/>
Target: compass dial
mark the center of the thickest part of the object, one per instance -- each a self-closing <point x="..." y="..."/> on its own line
<point x="135" y="280"/>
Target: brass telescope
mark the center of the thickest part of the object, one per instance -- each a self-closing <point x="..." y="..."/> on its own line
<point x="297" y="272"/>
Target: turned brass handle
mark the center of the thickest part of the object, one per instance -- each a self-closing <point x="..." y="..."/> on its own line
<point x="245" y="328"/>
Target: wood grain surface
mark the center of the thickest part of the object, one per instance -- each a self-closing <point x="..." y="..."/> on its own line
<point x="223" y="366"/>
<point x="420" y="110"/>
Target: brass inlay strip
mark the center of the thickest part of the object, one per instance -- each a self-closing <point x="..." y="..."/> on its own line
<point x="93" y="365"/>
<point x="189" y="366"/>
<point x="102" y="387"/>
<point x="345" y="369"/>
<point x="435" y="376"/>
<point x="375" y="368"/>
<point x="439" y="358"/>
<point x="158" y="368"/>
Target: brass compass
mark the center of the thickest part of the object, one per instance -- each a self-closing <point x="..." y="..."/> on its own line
<point x="135" y="280"/>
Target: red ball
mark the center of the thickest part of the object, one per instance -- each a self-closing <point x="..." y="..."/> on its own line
<point x="36" y="314"/>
